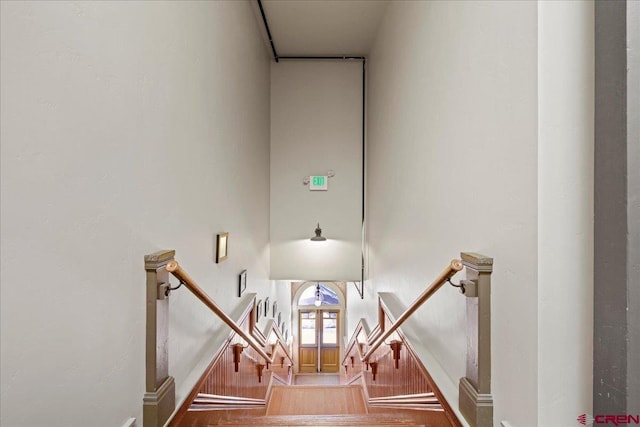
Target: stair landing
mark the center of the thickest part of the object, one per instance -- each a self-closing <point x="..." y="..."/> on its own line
<point x="315" y="405"/>
<point x="316" y="400"/>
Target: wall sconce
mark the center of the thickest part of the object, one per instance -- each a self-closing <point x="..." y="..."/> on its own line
<point x="318" y="237"/>
<point x="374" y="369"/>
<point x="260" y="367"/>
<point x="395" y="347"/>
<point x="237" y="351"/>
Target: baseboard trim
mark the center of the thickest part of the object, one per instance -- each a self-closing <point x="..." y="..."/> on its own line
<point x="158" y="406"/>
<point x="476" y="408"/>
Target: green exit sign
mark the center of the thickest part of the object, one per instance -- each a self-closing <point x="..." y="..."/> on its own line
<point x="318" y="183"/>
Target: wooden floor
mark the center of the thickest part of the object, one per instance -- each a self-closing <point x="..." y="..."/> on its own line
<point x="323" y="420"/>
<point x="315" y="405"/>
<point x="316" y="400"/>
<point x="376" y="419"/>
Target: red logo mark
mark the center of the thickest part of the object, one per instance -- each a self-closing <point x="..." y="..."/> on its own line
<point x="616" y="420"/>
<point x="586" y="419"/>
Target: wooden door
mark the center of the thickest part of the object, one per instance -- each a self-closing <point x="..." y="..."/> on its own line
<point x="329" y="348"/>
<point x="308" y="347"/>
<point x="319" y="349"/>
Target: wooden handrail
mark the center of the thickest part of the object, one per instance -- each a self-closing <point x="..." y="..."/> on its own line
<point x="360" y="327"/>
<point x="280" y="341"/>
<point x="174" y="268"/>
<point x="452" y="268"/>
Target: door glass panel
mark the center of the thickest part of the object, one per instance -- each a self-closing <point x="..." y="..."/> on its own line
<point x="329" y="328"/>
<point x="307" y="328"/>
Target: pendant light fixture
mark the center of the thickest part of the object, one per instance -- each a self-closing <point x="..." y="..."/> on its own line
<point x="318" y="301"/>
<point x="318" y="237"/>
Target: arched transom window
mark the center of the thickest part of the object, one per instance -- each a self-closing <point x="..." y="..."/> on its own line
<point x="327" y="296"/>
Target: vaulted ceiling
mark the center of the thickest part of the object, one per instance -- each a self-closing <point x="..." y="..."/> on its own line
<point x="323" y="27"/>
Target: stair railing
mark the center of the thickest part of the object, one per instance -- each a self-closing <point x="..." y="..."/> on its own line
<point x="475" y="402"/>
<point x="159" y="402"/>
<point x="273" y="330"/>
<point x="447" y="273"/>
<point x="174" y="268"/>
<point x="219" y="392"/>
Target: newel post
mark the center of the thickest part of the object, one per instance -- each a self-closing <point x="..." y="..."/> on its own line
<point x="475" y="400"/>
<point x="160" y="398"/>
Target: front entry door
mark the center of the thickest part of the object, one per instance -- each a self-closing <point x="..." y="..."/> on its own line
<point x="319" y="350"/>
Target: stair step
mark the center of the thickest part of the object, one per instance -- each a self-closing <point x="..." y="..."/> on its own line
<point x="373" y="420"/>
<point x="316" y="400"/>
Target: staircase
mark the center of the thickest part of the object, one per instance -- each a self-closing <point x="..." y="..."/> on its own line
<point x="248" y="382"/>
<point x="312" y="405"/>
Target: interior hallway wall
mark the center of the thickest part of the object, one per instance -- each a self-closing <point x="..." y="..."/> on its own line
<point x="127" y="127"/>
<point x="316" y="126"/>
<point x="451" y="166"/>
<point x="565" y="210"/>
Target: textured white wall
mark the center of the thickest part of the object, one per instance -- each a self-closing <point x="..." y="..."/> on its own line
<point x="127" y="127"/>
<point x="565" y="210"/>
<point x="451" y="166"/>
<point x="316" y="126"/>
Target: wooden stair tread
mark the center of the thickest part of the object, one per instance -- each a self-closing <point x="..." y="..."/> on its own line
<point x="316" y="400"/>
<point x="372" y="420"/>
<point x="378" y="418"/>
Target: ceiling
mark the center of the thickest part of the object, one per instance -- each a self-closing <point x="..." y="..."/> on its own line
<point x="323" y="27"/>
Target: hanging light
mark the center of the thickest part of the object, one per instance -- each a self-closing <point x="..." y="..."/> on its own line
<point x="318" y="301"/>
<point x="318" y="237"/>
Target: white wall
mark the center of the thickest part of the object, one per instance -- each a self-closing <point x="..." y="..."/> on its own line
<point x="565" y="210"/>
<point x="283" y="289"/>
<point x="127" y="127"/>
<point x="316" y="126"/>
<point x="451" y="166"/>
